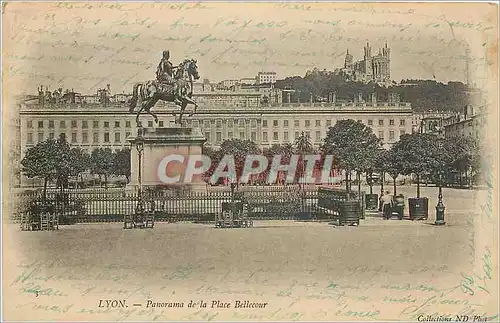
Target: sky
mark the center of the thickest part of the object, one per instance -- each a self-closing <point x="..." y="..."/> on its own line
<point x="86" y="46"/>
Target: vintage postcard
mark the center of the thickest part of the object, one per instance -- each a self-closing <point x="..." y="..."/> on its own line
<point x="264" y="161"/>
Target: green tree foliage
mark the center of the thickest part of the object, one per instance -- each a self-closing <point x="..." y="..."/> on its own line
<point x="102" y="162"/>
<point x="285" y="151"/>
<point x="354" y="146"/>
<point x="418" y="153"/>
<point x="239" y="149"/>
<point x="45" y="161"/>
<point x="423" y="95"/>
<point x="121" y="164"/>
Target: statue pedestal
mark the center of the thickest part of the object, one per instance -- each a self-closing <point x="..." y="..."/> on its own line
<point x="160" y="145"/>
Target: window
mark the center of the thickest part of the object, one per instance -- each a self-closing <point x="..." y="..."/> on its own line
<point x="160" y="124"/>
<point x="85" y="137"/>
<point x="85" y="124"/>
<point x="106" y="137"/>
<point x="29" y="138"/>
<point x="30" y="124"/>
<point x="391" y="122"/>
<point x="275" y="123"/>
<point x="73" y="137"/>
<point x="218" y="136"/>
<point x="127" y="124"/>
<point x="128" y="134"/>
<point x="296" y="123"/>
<point x="275" y="136"/>
<point x="242" y="135"/>
<point x="40" y="136"/>
<point x="264" y="136"/>
<point x="285" y="136"/>
<point x="402" y="122"/>
<point x="264" y="123"/>
<point x="40" y="124"/>
<point x="207" y="135"/>
<point x="230" y="134"/>
<point x="95" y="124"/>
<point x="381" y="122"/>
<point x="51" y="136"/>
<point x="106" y="124"/>
<point x="62" y="136"/>
<point x="62" y="124"/>
<point x="229" y="123"/>
<point x="308" y="123"/>
<point x="318" y="135"/>
<point x="95" y="138"/>
<point x="253" y="123"/>
<point x="308" y="134"/>
<point x="253" y="136"/>
<point x="318" y="123"/>
<point x="51" y="124"/>
<point x="117" y="137"/>
<point x="328" y="123"/>
<point x="391" y="134"/>
<point x="241" y="123"/>
<point x="206" y="124"/>
<point x="218" y="123"/>
<point x="73" y="123"/>
<point x="370" y="122"/>
<point x="402" y="132"/>
<point x="297" y="135"/>
<point x="150" y="124"/>
<point x="117" y="124"/>
<point x="381" y="135"/>
<point x="196" y="123"/>
<point x="285" y="123"/>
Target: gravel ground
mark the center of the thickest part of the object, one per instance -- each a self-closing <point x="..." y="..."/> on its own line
<point x="381" y="270"/>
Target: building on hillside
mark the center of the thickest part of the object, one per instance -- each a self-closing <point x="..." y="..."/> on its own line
<point x="266" y="78"/>
<point x="372" y="68"/>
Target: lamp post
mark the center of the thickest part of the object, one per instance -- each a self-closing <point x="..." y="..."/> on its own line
<point x="440" y="206"/>
<point x="139" y="210"/>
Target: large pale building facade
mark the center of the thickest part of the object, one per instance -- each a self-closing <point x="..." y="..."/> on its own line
<point x="221" y="115"/>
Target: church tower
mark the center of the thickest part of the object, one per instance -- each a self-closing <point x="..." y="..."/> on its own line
<point x="348" y="60"/>
<point x="367" y="61"/>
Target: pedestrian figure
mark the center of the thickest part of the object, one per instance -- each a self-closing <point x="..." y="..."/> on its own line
<point x="387" y="205"/>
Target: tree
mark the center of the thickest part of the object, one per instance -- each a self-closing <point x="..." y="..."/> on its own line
<point x="354" y="146"/>
<point x="239" y="149"/>
<point x="393" y="166"/>
<point x="102" y="163"/>
<point x="303" y="146"/>
<point x="121" y="164"/>
<point x="79" y="161"/>
<point x="418" y="154"/>
<point x="285" y="151"/>
<point x="39" y="162"/>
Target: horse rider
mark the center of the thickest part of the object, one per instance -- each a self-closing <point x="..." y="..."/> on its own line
<point x="165" y="72"/>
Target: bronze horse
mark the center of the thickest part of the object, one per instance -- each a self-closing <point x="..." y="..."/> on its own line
<point x="146" y="94"/>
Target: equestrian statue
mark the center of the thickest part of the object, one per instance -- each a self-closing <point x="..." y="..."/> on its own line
<point x="172" y="84"/>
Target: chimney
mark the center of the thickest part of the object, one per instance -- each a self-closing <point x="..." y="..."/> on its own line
<point x="360" y="97"/>
<point x="334" y="97"/>
<point x="374" y="98"/>
<point x="466" y="110"/>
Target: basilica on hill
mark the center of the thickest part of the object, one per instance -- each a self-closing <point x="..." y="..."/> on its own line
<point x="371" y="69"/>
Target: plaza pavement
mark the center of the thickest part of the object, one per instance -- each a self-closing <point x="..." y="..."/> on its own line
<point x="381" y="270"/>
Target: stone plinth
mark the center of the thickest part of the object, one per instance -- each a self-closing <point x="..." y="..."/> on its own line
<point x="160" y="143"/>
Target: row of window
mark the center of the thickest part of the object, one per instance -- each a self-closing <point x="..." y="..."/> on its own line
<point x="74" y="137"/>
<point x="275" y="135"/>
<point x="74" y="124"/>
<point x="307" y="123"/>
<point x="206" y="123"/>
